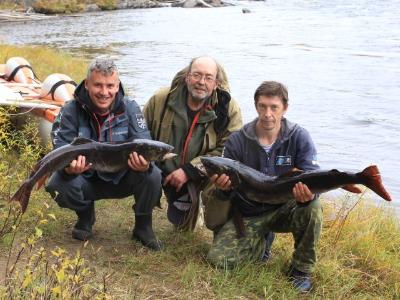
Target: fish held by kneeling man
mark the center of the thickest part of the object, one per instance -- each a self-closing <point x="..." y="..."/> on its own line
<point x="104" y="157"/>
<point x="273" y="190"/>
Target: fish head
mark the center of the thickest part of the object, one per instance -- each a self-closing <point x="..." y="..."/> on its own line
<point x="212" y="165"/>
<point x="153" y="150"/>
<point x="220" y="165"/>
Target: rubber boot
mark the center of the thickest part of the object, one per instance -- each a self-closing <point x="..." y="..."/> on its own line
<point x="301" y="281"/>
<point x="143" y="232"/>
<point x="83" y="228"/>
<point x="269" y="239"/>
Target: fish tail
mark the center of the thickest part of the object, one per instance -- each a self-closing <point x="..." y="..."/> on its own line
<point x="373" y="181"/>
<point x="41" y="182"/>
<point x="22" y="195"/>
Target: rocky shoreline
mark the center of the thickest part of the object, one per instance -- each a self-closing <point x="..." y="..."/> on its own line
<point x="73" y="6"/>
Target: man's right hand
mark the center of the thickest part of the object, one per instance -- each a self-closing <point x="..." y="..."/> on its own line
<point x="222" y="182"/>
<point x="78" y="166"/>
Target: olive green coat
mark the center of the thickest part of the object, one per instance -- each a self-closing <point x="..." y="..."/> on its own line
<point x="175" y="126"/>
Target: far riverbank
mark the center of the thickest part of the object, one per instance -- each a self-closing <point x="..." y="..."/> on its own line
<point x="29" y="7"/>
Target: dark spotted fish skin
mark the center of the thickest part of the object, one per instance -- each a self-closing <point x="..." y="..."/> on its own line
<point x="105" y="157"/>
<point x="274" y="190"/>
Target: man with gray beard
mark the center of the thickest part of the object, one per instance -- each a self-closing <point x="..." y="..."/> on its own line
<point x="196" y="115"/>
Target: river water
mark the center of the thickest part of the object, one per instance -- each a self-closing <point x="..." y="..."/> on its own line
<point x="339" y="59"/>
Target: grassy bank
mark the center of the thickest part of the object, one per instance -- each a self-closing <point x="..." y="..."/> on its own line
<point x="358" y="253"/>
<point x="45" y="61"/>
<point x="60" y="6"/>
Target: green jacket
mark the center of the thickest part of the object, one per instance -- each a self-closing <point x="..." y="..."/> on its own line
<point x="209" y="134"/>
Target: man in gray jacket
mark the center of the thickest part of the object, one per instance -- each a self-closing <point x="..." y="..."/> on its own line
<point x="273" y="145"/>
<point x="101" y="112"/>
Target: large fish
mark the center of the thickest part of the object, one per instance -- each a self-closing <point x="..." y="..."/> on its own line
<point x="105" y="157"/>
<point x="259" y="187"/>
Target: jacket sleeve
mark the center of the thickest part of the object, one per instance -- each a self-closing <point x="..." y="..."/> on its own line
<point x="232" y="150"/>
<point x="153" y="110"/>
<point x="65" y="127"/>
<point x="233" y="147"/>
<point x="148" y="112"/>
<point x="137" y="123"/>
<point x="306" y="158"/>
<point x="306" y="153"/>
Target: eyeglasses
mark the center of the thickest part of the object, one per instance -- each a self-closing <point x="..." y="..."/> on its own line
<point x="198" y="77"/>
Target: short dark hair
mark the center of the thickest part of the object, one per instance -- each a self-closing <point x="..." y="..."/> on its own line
<point x="270" y="89"/>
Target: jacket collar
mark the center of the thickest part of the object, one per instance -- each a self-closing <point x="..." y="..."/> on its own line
<point x="287" y="129"/>
<point x="177" y="102"/>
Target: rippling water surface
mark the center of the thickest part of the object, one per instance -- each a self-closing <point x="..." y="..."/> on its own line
<point x="339" y="59"/>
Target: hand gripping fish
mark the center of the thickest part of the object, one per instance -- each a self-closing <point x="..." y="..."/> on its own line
<point x="105" y="157"/>
<point x="259" y="187"/>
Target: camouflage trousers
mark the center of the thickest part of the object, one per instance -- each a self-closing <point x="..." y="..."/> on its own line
<point x="304" y="221"/>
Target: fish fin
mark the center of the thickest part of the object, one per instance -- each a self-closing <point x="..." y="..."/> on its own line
<point x="373" y="181"/>
<point x="234" y="178"/>
<point x="41" y="182"/>
<point x="116" y="142"/>
<point x="352" y="188"/>
<point x="190" y="220"/>
<point x="22" y="195"/>
<point x="81" y="141"/>
<point x="237" y="219"/>
<point x="293" y="172"/>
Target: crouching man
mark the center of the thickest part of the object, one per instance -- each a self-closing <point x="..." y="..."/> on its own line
<point x="101" y="112"/>
<point x="274" y="146"/>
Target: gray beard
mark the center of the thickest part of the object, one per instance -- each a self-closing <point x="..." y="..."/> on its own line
<point x="197" y="99"/>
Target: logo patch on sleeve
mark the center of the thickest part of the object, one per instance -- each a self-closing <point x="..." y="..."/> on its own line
<point x="141" y="121"/>
<point x="283" y="160"/>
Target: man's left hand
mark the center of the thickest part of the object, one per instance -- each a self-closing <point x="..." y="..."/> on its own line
<point x="138" y="163"/>
<point x="177" y="179"/>
<point x="302" y="193"/>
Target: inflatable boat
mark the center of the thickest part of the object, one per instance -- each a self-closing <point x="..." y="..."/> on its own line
<point x="20" y="88"/>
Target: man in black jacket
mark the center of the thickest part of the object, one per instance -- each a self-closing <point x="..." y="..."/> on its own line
<point x="100" y="111"/>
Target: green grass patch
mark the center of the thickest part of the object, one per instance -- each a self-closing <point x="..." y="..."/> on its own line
<point x="58" y="6"/>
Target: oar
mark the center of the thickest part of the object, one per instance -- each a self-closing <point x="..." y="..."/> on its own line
<point x="27" y="104"/>
<point x="18" y="84"/>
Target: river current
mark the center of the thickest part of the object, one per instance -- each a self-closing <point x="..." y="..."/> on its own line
<point x="339" y="59"/>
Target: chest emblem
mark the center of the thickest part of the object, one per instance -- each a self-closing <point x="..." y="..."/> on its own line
<point x="141" y="121"/>
<point x="284" y="160"/>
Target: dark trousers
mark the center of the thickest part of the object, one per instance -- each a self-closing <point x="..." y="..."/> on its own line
<point x="77" y="192"/>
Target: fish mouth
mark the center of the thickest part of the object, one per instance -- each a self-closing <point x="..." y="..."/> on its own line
<point x="168" y="156"/>
<point x="202" y="169"/>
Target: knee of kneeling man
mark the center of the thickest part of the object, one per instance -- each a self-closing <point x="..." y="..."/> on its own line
<point x="315" y="204"/>
<point x="55" y="183"/>
<point x="313" y="207"/>
<point x="154" y="176"/>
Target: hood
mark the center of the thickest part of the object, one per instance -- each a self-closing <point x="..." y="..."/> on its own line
<point x="287" y="129"/>
<point x="82" y="96"/>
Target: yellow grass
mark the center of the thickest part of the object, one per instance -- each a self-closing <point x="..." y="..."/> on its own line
<point x="45" y="61"/>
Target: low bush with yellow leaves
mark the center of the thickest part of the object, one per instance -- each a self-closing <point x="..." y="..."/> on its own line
<point x="37" y="273"/>
<point x="31" y="271"/>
